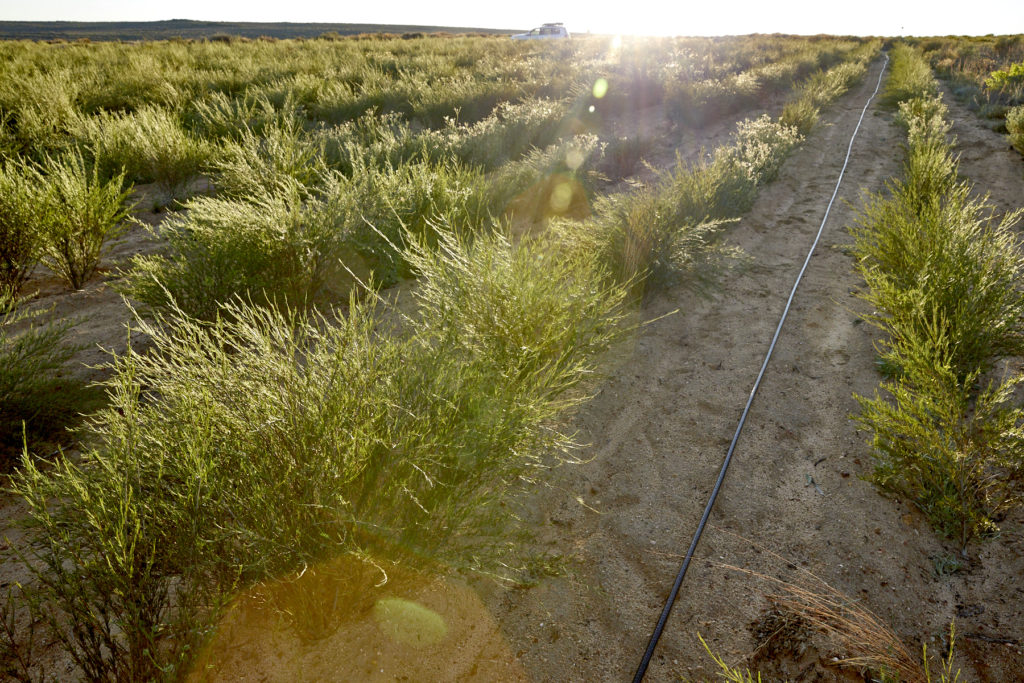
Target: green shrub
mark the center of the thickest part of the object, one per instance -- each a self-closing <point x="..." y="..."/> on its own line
<point x="83" y="213"/>
<point x="821" y="88"/>
<point x="223" y="117"/>
<point x="20" y="240"/>
<point x="761" y="145"/>
<point x="956" y="457"/>
<point x="509" y="132"/>
<point x="35" y="400"/>
<point x="636" y="236"/>
<point x="1015" y="127"/>
<point x="410" y="199"/>
<point x="1011" y="77"/>
<point x="148" y="145"/>
<point x="260" y="161"/>
<point x="273" y="248"/>
<point x="265" y="442"/>
<point x="928" y="257"/>
<point x="909" y="76"/>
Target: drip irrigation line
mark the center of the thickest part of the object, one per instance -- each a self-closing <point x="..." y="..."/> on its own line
<point x="670" y="602"/>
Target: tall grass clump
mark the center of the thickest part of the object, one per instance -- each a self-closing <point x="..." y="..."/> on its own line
<point x="639" y="240"/>
<point x="558" y="180"/>
<point x="260" y="160"/>
<point x="394" y="201"/>
<point x="20" y="234"/>
<point x="667" y="232"/>
<point x="265" y="442"/>
<point x="820" y="89"/>
<point x="83" y="212"/>
<point x="865" y="641"/>
<point x="724" y="184"/>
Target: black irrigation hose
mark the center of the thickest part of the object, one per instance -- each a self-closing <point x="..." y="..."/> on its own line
<point x="656" y="635"/>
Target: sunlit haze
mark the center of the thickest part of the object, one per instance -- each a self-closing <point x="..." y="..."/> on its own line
<point x="646" y="17"/>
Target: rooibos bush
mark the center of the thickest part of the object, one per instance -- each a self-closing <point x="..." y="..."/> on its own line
<point x="264" y="442"/>
<point x="273" y="247"/>
<point x="35" y="399"/>
<point x="83" y="213"/>
<point x="21" y="205"/>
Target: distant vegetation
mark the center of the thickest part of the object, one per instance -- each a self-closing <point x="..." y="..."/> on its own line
<point x="208" y="30"/>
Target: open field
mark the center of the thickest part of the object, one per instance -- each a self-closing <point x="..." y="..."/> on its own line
<point x="419" y="358"/>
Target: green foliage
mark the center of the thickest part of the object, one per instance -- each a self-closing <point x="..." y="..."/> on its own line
<point x="639" y="239"/>
<point x="20" y="237"/>
<point x="820" y="89"/>
<point x="761" y="145"/>
<point x="909" y="76"/>
<point x="725" y="184"/>
<point x="943" y="276"/>
<point x="260" y="161"/>
<point x="148" y="145"/>
<point x="1015" y="127"/>
<point x="959" y="460"/>
<point x="410" y="199"/>
<point x="274" y="248"/>
<point x="728" y="673"/>
<point x="35" y="400"/>
<point x="265" y="441"/>
<point x="1011" y="77"/>
<point x="930" y="252"/>
<point x="83" y="213"/>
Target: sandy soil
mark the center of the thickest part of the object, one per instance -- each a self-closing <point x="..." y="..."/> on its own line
<point x="660" y="426"/>
<point x="657" y="431"/>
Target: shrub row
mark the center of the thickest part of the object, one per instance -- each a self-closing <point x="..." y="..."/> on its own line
<point x="658" y="233"/>
<point x="943" y="275"/>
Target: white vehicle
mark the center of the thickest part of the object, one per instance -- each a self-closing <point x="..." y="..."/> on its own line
<point x="545" y="32"/>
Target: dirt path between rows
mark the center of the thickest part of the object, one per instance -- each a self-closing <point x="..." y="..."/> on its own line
<point x="660" y="426"/>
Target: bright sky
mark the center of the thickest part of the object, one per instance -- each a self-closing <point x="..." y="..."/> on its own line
<point x="651" y="17"/>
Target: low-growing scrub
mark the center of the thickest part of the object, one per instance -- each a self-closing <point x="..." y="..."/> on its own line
<point x="267" y="441"/>
<point x="148" y="145"/>
<point x="20" y="234"/>
<point x="261" y="160"/>
<point x="943" y="276"/>
<point x="82" y="212"/>
<point x="909" y="76"/>
<point x="954" y="454"/>
<point x="929" y="251"/>
<point x="274" y="248"/>
<point x="36" y="400"/>
<point x="1015" y="127"/>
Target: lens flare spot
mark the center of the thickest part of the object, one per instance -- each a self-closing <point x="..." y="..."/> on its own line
<point x="591" y="110"/>
<point x="409" y="623"/>
<point x="561" y="198"/>
<point x="616" y="42"/>
<point x="574" y="159"/>
<point x="600" y="88"/>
